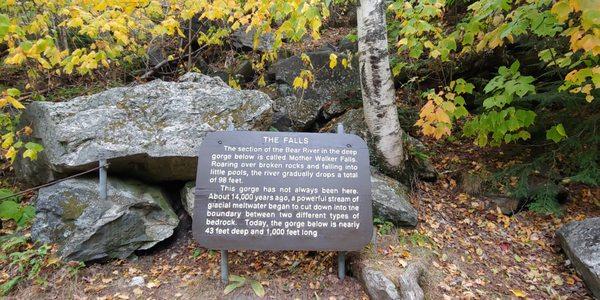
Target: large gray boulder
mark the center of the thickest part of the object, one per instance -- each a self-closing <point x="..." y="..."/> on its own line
<point x="151" y="130"/>
<point x="324" y="97"/>
<point x="390" y="200"/>
<point x="581" y="242"/>
<point x="71" y="214"/>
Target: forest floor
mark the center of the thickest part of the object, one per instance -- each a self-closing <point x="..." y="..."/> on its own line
<point x="478" y="253"/>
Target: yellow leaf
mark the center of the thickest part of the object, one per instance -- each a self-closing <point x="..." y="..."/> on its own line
<point x="52" y="260"/>
<point x="442" y="116"/>
<point x="561" y="9"/>
<point x="15" y="103"/>
<point x="153" y="284"/>
<point x="306" y="59"/>
<point x="479" y="251"/>
<point x="519" y="293"/>
<point x="7" y="140"/>
<point x="17" y="59"/>
<point x="441" y="131"/>
<point x="345" y="63"/>
<point x="428" y="130"/>
<point x="233" y="83"/>
<point x="589" y="98"/>
<point x="427" y="109"/>
<point x="261" y="81"/>
<point x="298" y="82"/>
<point x="586" y="89"/>
<point x="121" y="37"/>
<point x="11" y="154"/>
<point x="332" y="60"/>
<point x="75" y="22"/>
<point x="589" y="42"/>
<point x="31" y="154"/>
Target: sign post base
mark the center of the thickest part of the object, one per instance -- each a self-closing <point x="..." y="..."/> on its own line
<point x="342" y="265"/>
<point x="224" y="267"/>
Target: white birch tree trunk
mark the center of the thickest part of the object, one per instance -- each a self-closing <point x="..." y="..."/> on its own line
<point x="377" y="86"/>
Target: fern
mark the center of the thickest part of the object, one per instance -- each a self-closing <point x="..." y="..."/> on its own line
<point x="544" y="200"/>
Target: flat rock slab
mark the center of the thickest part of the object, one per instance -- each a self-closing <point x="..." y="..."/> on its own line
<point x="150" y="130"/>
<point x="71" y="214"/>
<point x="581" y="242"/>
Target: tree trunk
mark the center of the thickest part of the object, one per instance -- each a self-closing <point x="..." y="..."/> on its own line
<point x="377" y="85"/>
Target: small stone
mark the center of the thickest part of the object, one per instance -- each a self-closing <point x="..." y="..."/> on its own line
<point x="137" y="281"/>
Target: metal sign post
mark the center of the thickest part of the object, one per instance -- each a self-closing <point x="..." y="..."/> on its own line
<point x="341" y="254"/>
<point x="224" y="254"/>
<point x="103" y="179"/>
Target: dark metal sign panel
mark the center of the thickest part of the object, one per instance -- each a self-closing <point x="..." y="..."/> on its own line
<point x="283" y="191"/>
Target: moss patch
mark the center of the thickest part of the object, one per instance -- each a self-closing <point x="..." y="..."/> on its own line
<point x="71" y="208"/>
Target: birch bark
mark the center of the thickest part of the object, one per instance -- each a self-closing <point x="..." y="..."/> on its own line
<point x="377" y="86"/>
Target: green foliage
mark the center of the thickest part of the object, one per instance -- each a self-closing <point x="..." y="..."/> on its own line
<point x="414" y="152"/>
<point x="544" y="200"/>
<point x="500" y="118"/>
<point x="504" y="116"/>
<point x="537" y="180"/>
<point x="416" y="27"/>
<point x="23" y="259"/>
<point x="6" y="194"/>
<point x="557" y="133"/>
<point x="196" y="253"/>
<point x="508" y="84"/>
<point x="383" y="226"/>
<point x="11" y="209"/>
<point x="74" y="267"/>
<point x="239" y="281"/>
<point x="416" y="239"/>
<point x="588" y="169"/>
<point x="444" y="107"/>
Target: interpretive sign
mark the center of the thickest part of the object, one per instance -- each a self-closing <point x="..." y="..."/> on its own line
<point x="283" y="191"/>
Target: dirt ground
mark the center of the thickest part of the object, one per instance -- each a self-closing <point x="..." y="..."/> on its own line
<point x="477" y="252"/>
